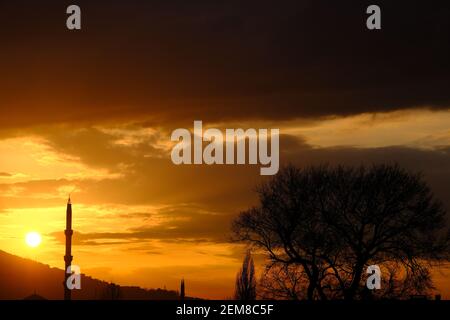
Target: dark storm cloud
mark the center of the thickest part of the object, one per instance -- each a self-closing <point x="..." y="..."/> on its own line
<point x="179" y="60"/>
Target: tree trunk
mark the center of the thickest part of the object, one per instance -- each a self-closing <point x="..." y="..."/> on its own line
<point x="351" y="291"/>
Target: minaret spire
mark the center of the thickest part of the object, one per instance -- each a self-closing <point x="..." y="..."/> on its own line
<point x="68" y="256"/>
<point x="182" y="293"/>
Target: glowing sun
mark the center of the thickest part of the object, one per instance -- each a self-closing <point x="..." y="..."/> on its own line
<point x="33" y="239"/>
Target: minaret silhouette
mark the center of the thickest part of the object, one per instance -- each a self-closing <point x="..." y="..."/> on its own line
<point x="68" y="257"/>
<point x="182" y="289"/>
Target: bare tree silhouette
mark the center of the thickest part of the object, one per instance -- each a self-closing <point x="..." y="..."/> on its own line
<point x="246" y="280"/>
<point x="281" y="281"/>
<point x="332" y="222"/>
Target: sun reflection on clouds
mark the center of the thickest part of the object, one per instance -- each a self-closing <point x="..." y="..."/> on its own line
<point x="87" y="219"/>
<point x="415" y="128"/>
<point x="30" y="158"/>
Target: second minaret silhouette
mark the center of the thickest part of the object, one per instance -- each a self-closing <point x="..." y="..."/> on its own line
<point x="68" y="257"/>
<point x="182" y="293"/>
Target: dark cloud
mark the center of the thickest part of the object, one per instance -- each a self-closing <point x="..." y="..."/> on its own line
<point x="97" y="148"/>
<point x="179" y="223"/>
<point x="433" y="164"/>
<point x="5" y="174"/>
<point x="191" y="228"/>
<point x="208" y="198"/>
<point x="222" y="189"/>
<point x="173" y="60"/>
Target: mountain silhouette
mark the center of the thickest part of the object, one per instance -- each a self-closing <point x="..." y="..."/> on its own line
<point x="22" y="278"/>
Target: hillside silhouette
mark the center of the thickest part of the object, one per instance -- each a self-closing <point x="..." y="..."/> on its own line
<point x="20" y="278"/>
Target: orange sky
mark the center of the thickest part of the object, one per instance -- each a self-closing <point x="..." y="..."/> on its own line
<point x="141" y="220"/>
<point x="90" y="113"/>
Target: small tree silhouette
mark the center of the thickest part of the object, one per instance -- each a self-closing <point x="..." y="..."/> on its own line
<point x="245" y="280"/>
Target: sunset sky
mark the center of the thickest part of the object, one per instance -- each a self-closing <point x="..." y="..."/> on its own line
<point x="89" y="113"/>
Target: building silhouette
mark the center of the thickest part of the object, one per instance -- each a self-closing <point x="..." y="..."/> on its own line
<point x="68" y="256"/>
<point x="34" y="296"/>
<point x="182" y="293"/>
